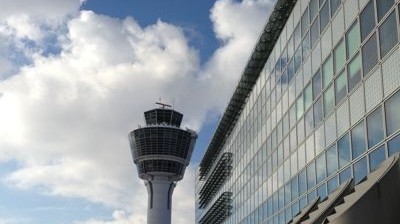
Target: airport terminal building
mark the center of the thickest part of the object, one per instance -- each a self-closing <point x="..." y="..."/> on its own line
<point x="312" y="131"/>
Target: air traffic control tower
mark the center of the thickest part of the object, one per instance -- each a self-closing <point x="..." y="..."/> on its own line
<point x="161" y="151"/>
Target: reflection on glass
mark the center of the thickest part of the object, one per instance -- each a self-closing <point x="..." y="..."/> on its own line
<point x="394" y="145"/>
<point x="313" y="8"/>
<point x="327" y="71"/>
<point x="314" y="32"/>
<point x="329" y="100"/>
<point x="383" y="7"/>
<point x="352" y="39"/>
<point x="295" y="189"/>
<point x="306" y="46"/>
<point x="302" y="182"/>
<point x="358" y="140"/>
<point x="309" y="123"/>
<point x="321" y="172"/>
<point x="332" y="184"/>
<point x="345" y="175"/>
<point x="344" y="151"/>
<point x="341" y="86"/>
<point x="308" y="96"/>
<point x="370" y="54"/>
<point x="316" y="82"/>
<point x="300" y="106"/>
<point x="334" y="6"/>
<point x="388" y="34"/>
<point x="367" y="20"/>
<point x="360" y="170"/>
<point x="305" y="22"/>
<point x="354" y="72"/>
<point x="376" y="157"/>
<point x="375" y="127"/>
<point x="321" y="192"/>
<point x="339" y="56"/>
<point x="392" y="108"/>
<point x="318" y="111"/>
<point x="324" y="15"/>
<point x="331" y="160"/>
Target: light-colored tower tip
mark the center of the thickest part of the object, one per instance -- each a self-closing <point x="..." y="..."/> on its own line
<point x="161" y="151"/>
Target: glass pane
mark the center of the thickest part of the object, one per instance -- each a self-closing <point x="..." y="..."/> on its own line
<point x="358" y="140"/>
<point x="313" y="8"/>
<point x="354" y="72"/>
<point x="392" y="108"/>
<point x="309" y="122"/>
<point x="314" y="32"/>
<point x="324" y="15"/>
<point x="383" y="7"/>
<point x="295" y="188"/>
<point x="334" y="6"/>
<point x="302" y="182"/>
<point x="376" y="157"/>
<point x="344" y="151"/>
<point x="340" y="56"/>
<point x="327" y="71"/>
<point x="317" y="84"/>
<point x="375" y="127"/>
<point x="318" y="111"/>
<point x="305" y="22"/>
<point x="331" y="160"/>
<point x="352" y="39"/>
<point x="360" y="170"/>
<point x="388" y="34"/>
<point x="311" y="176"/>
<point x="367" y="20"/>
<point x="297" y="35"/>
<point x="341" y="86"/>
<point x="300" y="106"/>
<point x="321" y="192"/>
<point x="329" y="100"/>
<point x="297" y="59"/>
<point x="370" y="54"/>
<point x="321" y="172"/>
<point x="308" y="96"/>
<point x="332" y="184"/>
<point x="394" y="145"/>
<point x="345" y="175"/>
<point x="306" y="45"/>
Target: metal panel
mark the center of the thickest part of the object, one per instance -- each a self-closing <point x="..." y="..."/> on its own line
<point x="330" y="129"/>
<point x="357" y="110"/>
<point x="390" y="72"/>
<point x="343" y="121"/>
<point x="350" y="7"/>
<point x="338" y="26"/>
<point x="373" y="90"/>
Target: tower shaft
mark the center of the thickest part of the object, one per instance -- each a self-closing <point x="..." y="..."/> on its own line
<point x="159" y="200"/>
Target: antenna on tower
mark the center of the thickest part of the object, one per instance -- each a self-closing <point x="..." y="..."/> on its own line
<point x="163" y="105"/>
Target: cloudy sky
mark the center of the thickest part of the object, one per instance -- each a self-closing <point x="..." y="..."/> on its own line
<point x="75" y="78"/>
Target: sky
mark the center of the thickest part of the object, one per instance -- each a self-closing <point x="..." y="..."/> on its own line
<point x="75" y="79"/>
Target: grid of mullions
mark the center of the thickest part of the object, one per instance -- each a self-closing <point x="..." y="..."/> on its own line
<point x="337" y="77"/>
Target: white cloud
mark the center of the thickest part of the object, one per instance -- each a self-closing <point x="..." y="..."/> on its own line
<point x="65" y="117"/>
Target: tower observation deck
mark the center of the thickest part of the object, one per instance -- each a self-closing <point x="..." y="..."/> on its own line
<point x="161" y="151"/>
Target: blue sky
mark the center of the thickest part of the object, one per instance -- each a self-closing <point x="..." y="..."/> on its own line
<point x="75" y="78"/>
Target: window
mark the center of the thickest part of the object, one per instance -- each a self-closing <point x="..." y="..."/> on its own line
<point x="352" y="39"/>
<point x="339" y="56"/>
<point x="332" y="184"/>
<point x="297" y="59"/>
<point x="375" y="127"/>
<point x="341" y="86"/>
<point x="360" y="170"/>
<point x="370" y="54"/>
<point x="309" y="124"/>
<point x="383" y="7"/>
<point x="297" y="35"/>
<point x="308" y="96"/>
<point x="324" y="16"/>
<point x="344" y="151"/>
<point x="313" y="9"/>
<point x="334" y="6"/>
<point x="292" y="114"/>
<point x="392" y="108"/>
<point x="302" y="182"/>
<point x="316" y="84"/>
<point x="311" y="176"/>
<point x="300" y="106"/>
<point x="394" y="145"/>
<point x="354" y="72"/>
<point x="376" y="157"/>
<point x="306" y="45"/>
<point x="327" y="71"/>
<point x="329" y="100"/>
<point x="345" y="175"/>
<point x="388" y="34"/>
<point x="321" y="172"/>
<point x="358" y="140"/>
<point x="305" y="22"/>
<point x="367" y="20"/>
<point x="321" y="192"/>
<point x="295" y="188"/>
<point x="314" y="32"/>
<point x="331" y="160"/>
<point x="318" y="111"/>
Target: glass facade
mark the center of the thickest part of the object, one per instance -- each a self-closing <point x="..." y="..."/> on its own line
<point x="324" y="109"/>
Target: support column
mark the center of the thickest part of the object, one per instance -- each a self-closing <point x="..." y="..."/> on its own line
<point x="159" y="200"/>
